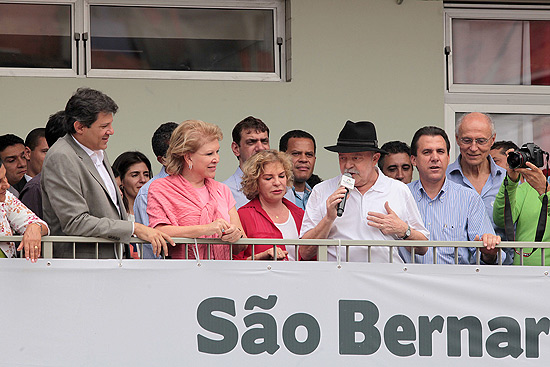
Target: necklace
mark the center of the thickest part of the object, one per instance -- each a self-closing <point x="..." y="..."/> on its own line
<point x="273" y="215"/>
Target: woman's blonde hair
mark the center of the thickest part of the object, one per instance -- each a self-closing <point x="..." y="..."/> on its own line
<point x="254" y="168"/>
<point x="188" y="137"/>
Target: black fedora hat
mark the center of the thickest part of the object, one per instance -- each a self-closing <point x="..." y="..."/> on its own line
<point x="355" y="137"/>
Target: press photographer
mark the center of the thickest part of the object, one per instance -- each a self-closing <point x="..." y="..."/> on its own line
<point x="525" y="201"/>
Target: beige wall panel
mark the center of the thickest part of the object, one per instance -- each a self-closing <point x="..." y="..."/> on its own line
<point x="351" y="59"/>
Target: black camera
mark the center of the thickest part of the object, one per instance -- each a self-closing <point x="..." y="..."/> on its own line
<point x="529" y="152"/>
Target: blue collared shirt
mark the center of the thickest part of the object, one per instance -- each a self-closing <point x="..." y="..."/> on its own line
<point x="234" y="184"/>
<point x="455" y="214"/>
<point x="140" y="210"/>
<point x="301" y="200"/>
<point x="489" y="191"/>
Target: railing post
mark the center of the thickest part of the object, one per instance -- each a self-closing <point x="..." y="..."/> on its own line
<point x="322" y="253"/>
<point x="47" y="249"/>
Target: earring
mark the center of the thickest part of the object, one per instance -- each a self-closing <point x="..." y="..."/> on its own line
<point x="190" y="166"/>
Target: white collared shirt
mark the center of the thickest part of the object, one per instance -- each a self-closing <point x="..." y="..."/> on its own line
<point x="97" y="158"/>
<point x="352" y="225"/>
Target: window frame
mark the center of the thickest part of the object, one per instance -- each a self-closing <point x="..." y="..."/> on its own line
<point x="76" y="24"/>
<point x="488" y="12"/>
<point x="278" y="32"/>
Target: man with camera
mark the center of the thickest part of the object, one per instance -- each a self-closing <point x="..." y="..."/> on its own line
<point x="474" y="167"/>
<point x="525" y="200"/>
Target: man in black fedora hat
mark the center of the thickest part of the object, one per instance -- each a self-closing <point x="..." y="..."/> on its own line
<point x="377" y="208"/>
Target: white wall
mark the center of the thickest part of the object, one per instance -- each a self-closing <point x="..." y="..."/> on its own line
<point x="351" y="59"/>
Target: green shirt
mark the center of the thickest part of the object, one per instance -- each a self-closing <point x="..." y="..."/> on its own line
<point x="526" y="204"/>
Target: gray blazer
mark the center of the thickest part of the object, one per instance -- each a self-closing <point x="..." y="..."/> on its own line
<point x="76" y="202"/>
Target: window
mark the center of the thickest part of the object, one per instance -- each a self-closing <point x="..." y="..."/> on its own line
<point x="185" y="39"/>
<point x="498" y="50"/>
<point x="498" y="62"/>
<point x="36" y="38"/>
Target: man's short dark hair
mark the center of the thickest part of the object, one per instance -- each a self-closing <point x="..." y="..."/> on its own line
<point x="393" y="147"/>
<point x="31" y="141"/>
<point x="429" y="131"/>
<point x="283" y="142"/>
<point x="55" y="127"/>
<point x="85" y="105"/>
<point x="8" y="140"/>
<point x="249" y="123"/>
<point x="504" y="145"/>
<point x="161" y="138"/>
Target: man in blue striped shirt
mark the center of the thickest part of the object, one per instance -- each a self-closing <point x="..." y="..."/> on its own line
<point x="450" y="211"/>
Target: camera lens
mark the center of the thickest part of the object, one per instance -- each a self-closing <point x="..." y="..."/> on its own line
<point x="516" y="159"/>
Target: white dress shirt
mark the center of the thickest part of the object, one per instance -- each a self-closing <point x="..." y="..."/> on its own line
<point x="97" y="158"/>
<point x="352" y="225"/>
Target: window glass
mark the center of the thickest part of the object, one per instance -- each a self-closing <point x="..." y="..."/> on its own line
<point x="35" y="35"/>
<point x="182" y="39"/>
<point x="501" y="52"/>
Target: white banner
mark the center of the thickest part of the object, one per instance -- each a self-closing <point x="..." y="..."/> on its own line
<point x="231" y="313"/>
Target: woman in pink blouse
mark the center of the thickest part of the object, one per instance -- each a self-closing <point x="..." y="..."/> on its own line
<point x="189" y="202"/>
<point x="14" y="216"/>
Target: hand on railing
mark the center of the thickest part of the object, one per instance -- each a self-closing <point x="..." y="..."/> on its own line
<point x="231" y="234"/>
<point x="217" y="227"/>
<point x="155" y="237"/>
<point x="268" y="254"/>
<point x="489" y="251"/>
<point x="32" y="241"/>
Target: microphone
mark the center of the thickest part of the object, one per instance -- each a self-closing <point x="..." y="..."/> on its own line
<point x="349" y="183"/>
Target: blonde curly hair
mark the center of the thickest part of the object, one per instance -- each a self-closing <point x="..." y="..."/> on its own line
<point x="254" y="167"/>
<point x="188" y="137"/>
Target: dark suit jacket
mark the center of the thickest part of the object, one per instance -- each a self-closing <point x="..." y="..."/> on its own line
<point x="31" y="196"/>
<point x="19" y="186"/>
<point x="76" y="202"/>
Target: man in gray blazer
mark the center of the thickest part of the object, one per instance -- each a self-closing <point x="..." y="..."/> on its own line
<point x="79" y="195"/>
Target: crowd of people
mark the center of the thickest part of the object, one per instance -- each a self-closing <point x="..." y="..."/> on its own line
<point x="59" y="181"/>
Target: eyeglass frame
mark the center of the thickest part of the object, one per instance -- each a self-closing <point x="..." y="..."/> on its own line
<point x="479" y="141"/>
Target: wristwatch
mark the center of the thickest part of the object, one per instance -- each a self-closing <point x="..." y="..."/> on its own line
<point x="407" y="232"/>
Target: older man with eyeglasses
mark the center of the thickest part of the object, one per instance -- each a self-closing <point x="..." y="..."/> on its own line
<point x="474" y="167"/>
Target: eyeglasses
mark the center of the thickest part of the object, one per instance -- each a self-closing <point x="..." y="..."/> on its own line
<point x="479" y="141"/>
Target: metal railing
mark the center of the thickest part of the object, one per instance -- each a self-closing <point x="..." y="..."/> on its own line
<point x="49" y="241"/>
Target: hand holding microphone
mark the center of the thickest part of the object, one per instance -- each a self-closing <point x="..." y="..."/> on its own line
<point x="348" y="182"/>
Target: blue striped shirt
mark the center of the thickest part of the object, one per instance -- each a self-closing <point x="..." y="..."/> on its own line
<point x="489" y="191"/>
<point x="455" y="214"/>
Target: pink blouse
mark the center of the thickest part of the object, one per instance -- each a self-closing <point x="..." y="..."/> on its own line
<point x="173" y="201"/>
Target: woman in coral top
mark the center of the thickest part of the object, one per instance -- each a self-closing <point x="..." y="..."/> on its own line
<point x="189" y="202"/>
<point x="266" y="177"/>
